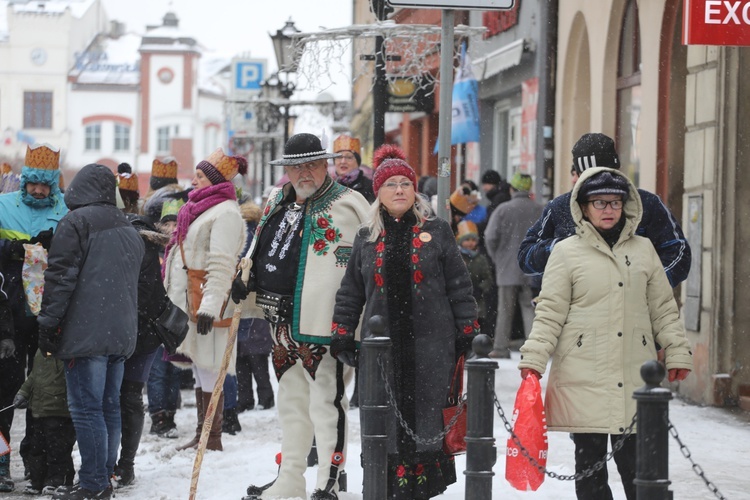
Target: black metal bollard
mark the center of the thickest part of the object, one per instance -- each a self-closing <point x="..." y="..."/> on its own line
<point x="652" y="449"/>
<point x="374" y="410"/>
<point x="481" y="453"/>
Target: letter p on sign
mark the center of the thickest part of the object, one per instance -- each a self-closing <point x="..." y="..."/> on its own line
<point x="249" y="75"/>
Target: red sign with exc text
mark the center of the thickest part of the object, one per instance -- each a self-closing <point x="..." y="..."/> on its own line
<point x="716" y="22"/>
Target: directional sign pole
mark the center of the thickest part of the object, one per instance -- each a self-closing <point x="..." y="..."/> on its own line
<point x="446" y="105"/>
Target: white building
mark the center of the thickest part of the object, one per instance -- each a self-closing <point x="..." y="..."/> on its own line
<point x="38" y="42"/>
<point x="71" y="78"/>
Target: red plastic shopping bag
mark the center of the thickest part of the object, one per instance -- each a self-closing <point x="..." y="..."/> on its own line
<point x="530" y="426"/>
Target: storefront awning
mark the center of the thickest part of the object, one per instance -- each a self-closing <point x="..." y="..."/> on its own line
<point x="499" y="60"/>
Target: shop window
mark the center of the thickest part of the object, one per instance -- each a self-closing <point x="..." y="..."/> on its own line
<point x="629" y="95"/>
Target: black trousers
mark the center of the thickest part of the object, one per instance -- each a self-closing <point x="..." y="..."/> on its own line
<point x="50" y="451"/>
<point x="592" y="448"/>
<point x="249" y="367"/>
<point x="13" y="370"/>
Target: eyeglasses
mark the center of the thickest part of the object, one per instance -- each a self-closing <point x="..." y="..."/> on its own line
<point x="310" y="167"/>
<point x="404" y="185"/>
<point x="346" y="157"/>
<point x="602" y="204"/>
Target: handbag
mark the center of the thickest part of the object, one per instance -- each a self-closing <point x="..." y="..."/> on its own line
<point x="454" y="442"/>
<point x="530" y="427"/>
<point x="172" y="327"/>
<point x="196" y="283"/>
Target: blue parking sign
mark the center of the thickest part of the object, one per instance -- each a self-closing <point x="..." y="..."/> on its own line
<point x="248" y="75"/>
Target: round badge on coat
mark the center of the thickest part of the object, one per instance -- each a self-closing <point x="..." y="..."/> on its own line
<point x="426" y="237"/>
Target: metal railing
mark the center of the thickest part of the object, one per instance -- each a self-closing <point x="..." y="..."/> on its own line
<point x="652" y="462"/>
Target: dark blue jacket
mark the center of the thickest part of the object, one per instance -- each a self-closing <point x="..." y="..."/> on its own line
<point x="658" y="225"/>
<point x="91" y="282"/>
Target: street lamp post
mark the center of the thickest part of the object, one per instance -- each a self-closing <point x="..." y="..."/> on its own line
<point x="287" y="58"/>
<point x="275" y="87"/>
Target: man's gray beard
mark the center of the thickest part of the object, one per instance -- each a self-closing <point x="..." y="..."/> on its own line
<point x="304" y="193"/>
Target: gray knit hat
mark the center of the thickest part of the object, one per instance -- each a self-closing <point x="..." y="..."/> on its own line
<point x="604" y="183"/>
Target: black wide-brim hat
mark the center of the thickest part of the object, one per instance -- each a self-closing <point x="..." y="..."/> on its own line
<point x="302" y="148"/>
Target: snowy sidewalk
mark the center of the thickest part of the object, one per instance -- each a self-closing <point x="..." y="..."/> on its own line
<point x="717" y="438"/>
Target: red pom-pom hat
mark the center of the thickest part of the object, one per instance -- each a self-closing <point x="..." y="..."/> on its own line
<point x="390" y="160"/>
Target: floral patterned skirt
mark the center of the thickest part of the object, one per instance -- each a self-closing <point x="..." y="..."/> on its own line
<point x="424" y="475"/>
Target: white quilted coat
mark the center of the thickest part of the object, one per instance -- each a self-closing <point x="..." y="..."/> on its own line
<point x="599" y="314"/>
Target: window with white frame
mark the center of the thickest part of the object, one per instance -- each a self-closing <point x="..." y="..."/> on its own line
<point x="162" y="139"/>
<point x="93" y="137"/>
<point x="122" y="137"/>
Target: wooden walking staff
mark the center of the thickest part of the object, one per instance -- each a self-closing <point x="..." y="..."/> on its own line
<point x="209" y="417"/>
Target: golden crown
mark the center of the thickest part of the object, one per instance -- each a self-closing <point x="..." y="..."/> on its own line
<point x="42" y="156"/>
<point x="346" y="143"/>
<point x="166" y="167"/>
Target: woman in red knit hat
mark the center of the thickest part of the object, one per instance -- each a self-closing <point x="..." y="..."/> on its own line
<point x="405" y="266"/>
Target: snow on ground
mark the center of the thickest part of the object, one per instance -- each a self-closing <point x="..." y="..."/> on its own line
<point x="717" y="438"/>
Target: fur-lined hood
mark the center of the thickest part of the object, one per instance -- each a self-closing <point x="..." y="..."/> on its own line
<point x="148" y="231"/>
<point x="250" y="212"/>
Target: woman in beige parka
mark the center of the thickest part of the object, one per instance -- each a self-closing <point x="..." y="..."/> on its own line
<point x="605" y="303"/>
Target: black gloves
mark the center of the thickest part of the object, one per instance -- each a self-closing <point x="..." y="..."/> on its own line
<point x="7" y="348"/>
<point x="44" y="237"/>
<point x="240" y="291"/>
<point x="348" y="358"/>
<point x="20" y="402"/>
<point x="16" y="250"/>
<point x="205" y="323"/>
<point x="49" y="340"/>
<point x="463" y="345"/>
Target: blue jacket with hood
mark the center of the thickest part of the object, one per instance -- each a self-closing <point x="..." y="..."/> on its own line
<point x="21" y="218"/>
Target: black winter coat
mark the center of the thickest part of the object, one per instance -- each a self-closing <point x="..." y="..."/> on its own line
<point x="362" y="185"/>
<point x="152" y="297"/>
<point x="429" y="311"/>
<point x="657" y="224"/>
<point x="6" y="316"/>
<point x="91" y="282"/>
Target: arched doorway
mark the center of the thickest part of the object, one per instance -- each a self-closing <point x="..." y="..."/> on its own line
<point x="670" y="164"/>
<point x="576" y="102"/>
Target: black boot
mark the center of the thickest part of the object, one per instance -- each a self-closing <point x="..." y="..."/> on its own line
<point x="162" y="424"/>
<point x="231" y="424"/>
<point x="131" y="412"/>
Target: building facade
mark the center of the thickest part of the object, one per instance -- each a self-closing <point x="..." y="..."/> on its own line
<point x="677" y="115"/>
<point x="108" y="95"/>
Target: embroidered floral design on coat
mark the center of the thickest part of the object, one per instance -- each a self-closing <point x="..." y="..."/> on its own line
<point x="416" y="273"/>
<point x="287" y="352"/>
<point x="323" y="234"/>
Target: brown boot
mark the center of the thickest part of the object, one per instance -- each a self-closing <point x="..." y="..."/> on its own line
<point x="214" y="437"/>
<point x="193" y="443"/>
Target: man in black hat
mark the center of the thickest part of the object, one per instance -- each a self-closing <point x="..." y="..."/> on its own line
<point x="556" y="223"/>
<point x="299" y="255"/>
<point x="496" y="190"/>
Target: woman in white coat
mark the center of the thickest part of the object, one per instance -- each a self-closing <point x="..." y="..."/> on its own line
<point x="209" y="236"/>
<point x="605" y="303"/>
